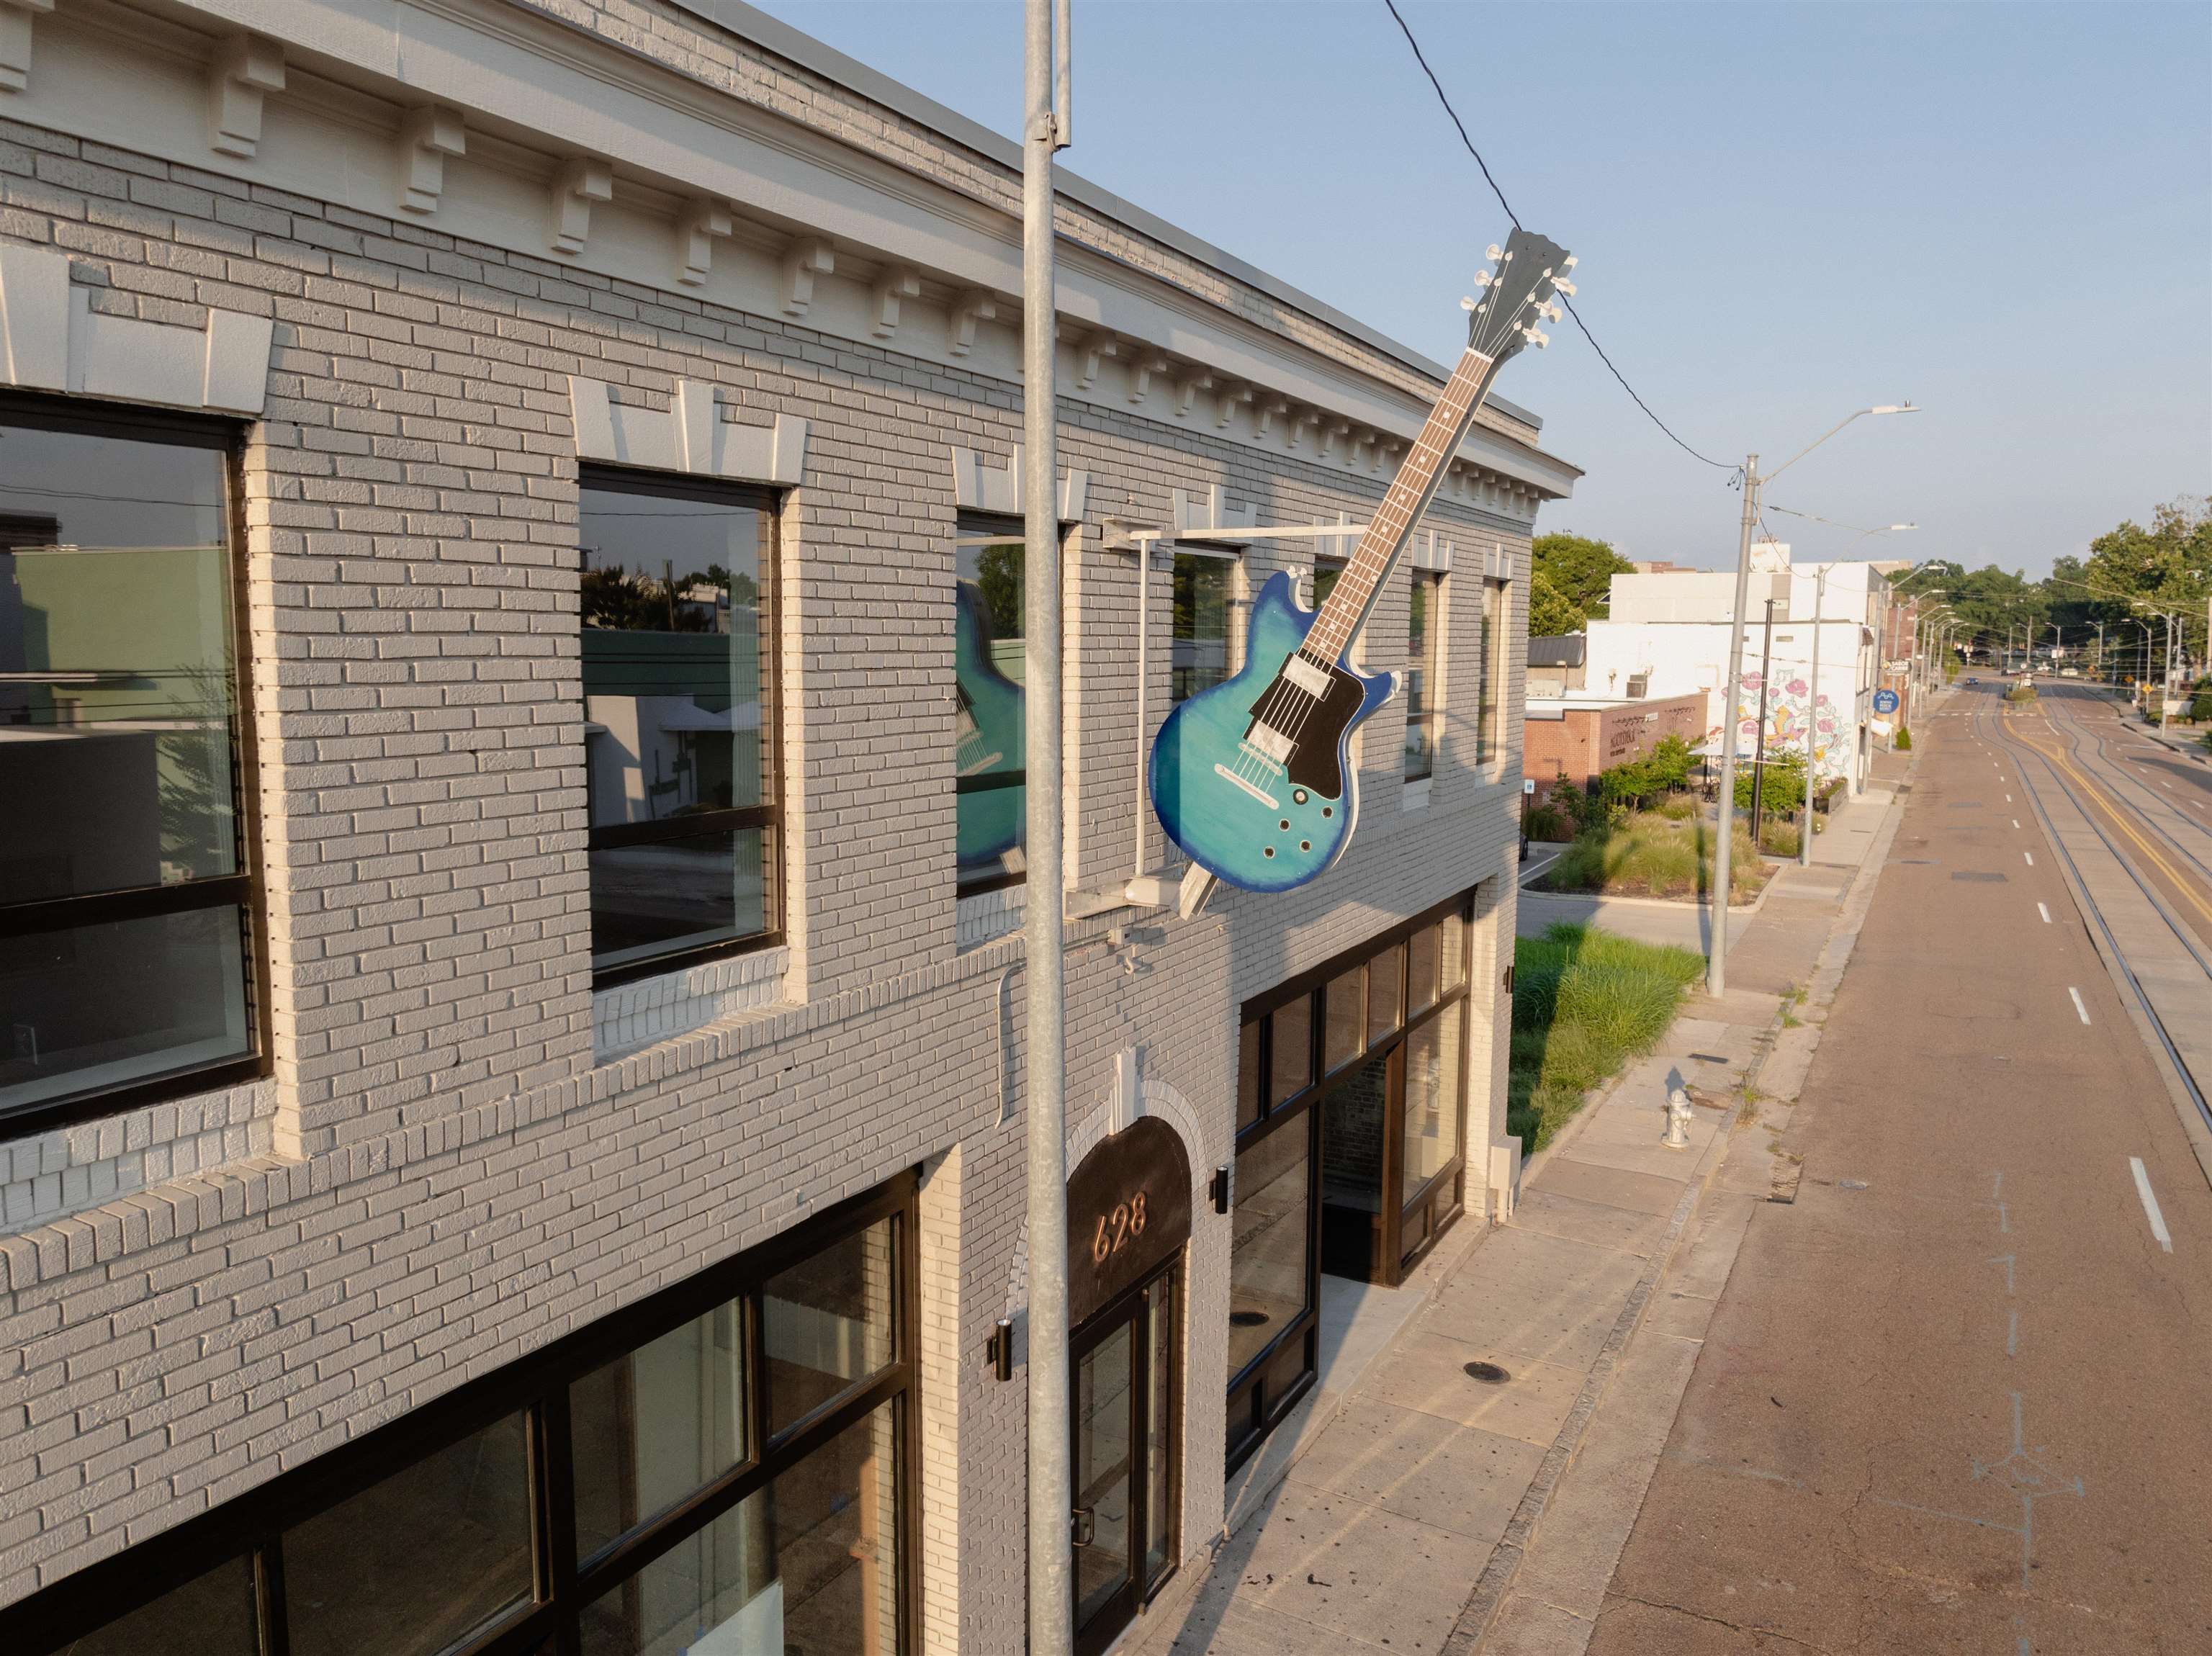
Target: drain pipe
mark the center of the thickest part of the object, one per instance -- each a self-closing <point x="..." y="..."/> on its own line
<point x="1137" y="863"/>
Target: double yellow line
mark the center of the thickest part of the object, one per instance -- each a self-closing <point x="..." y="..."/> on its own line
<point x="2182" y="882"/>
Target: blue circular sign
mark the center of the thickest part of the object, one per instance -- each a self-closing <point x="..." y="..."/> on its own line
<point x="1885" y="701"/>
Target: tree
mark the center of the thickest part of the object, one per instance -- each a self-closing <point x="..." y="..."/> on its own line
<point x="1550" y="615"/>
<point x="2132" y="570"/>
<point x="1580" y="571"/>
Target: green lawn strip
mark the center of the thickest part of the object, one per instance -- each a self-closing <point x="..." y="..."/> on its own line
<point x="1584" y="1002"/>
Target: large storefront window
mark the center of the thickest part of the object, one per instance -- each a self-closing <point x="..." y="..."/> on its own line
<point x="989" y="800"/>
<point x="723" y="1467"/>
<point x="126" y="894"/>
<point x="678" y="722"/>
<point x="1351" y="1112"/>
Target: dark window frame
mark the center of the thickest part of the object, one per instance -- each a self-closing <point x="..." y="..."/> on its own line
<point x="767" y="816"/>
<point x="537" y="1386"/>
<point x="244" y="889"/>
<point x="1249" y="1383"/>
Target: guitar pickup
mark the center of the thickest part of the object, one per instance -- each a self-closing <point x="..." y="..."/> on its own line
<point x="1308" y="677"/>
<point x="1274" y="743"/>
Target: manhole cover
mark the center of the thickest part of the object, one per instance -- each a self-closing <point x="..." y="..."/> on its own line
<point x="1964" y="804"/>
<point x="1247" y="1318"/>
<point x="1851" y="1184"/>
<point x="1488" y="1373"/>
<point x="1921" y="862"/>
<point x="1961" y="874"/>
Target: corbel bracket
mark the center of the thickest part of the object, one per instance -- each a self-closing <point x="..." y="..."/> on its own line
<point x="581" y="180"/>
<point x="699" y="224"/>
<point x="243" y="69"/>
<point x="892" y="290"/>
<point x="805" y="259"/>
<point x="968" y="309"/>
<point x="426" y="136"/>
<point x="15" y="17"/>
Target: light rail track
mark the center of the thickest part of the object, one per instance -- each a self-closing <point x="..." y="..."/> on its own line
<point x="1990" y="725"/>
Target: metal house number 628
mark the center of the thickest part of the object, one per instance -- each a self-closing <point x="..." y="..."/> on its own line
<point x="1127" y="1220"/>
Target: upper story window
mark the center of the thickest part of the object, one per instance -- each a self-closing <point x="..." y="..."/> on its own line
<point x="126" y="889"/>
<point x="990" y="801"/>
<point x="679" y="721"/>
<point x="1424" y="637"/>
<point x="1199" y="656"/>
<point x="1490" y="714"/>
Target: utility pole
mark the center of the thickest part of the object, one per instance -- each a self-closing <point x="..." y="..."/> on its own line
<point x="1812" y="721"/>
<point x="1716" y="952"/>
<point x="1051" y="1494"/>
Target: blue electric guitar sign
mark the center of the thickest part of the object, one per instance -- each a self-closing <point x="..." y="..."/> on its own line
<point x="1254" y="779"/>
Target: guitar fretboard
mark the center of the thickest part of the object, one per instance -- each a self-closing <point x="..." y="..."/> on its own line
<point x="1410" y="493"/>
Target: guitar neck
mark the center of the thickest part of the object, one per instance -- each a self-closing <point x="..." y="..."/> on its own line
<point x="1415" y="486"/>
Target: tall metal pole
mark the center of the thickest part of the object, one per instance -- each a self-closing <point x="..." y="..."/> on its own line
<point x="1052" y="1502"/>
<point x="1812" y="720"/>
<point x="1716" y="951"/>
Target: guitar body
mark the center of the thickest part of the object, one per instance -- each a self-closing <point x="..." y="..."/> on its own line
<point x="989" y="802"/>
<point x="1267" y="806"/>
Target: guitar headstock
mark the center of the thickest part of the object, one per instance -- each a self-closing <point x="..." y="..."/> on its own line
<point x="1518" y="294"/>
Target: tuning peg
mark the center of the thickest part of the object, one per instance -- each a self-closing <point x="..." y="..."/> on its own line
<point x="1563" y="286"/>
<point x="1465" y="303"/>
<point x="1567" y="263"/>
<point x="1538" y="340"/>
<point x="1492" y="252"/>
<point x="1552" y="312"/>
<point x="1482" y="278"/>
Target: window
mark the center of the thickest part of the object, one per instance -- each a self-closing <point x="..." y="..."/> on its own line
<point x="1489" y="726"/>
<point x="1200" y="649"/>
<point x="680" y="721"/>
<point x="127" y="897"/>
<point x="1349" y="1123"/>
<point x="990" y="803"/>
<point x="1326" y="571"/>
<point x="633" y="1489"/>
<point x="1424" y="637"/>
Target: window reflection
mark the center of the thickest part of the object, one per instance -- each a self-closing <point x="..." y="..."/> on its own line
<point x="827" y="1324"/>
<point x="1425" y="627"/>
<point x="809" y="1564"/>
<point x="1344" y="1008"/>
<point x="677" y="729"/>
<point x="1199" y="648"/>
<point x="1432" y="1115"/>
<point x="1386" y="992"/>
<point x="212" y="1616"/>
<point x="657" y="1424"/>
<point x="119" y="718"/>
<point x="413" y="1564"/>
<point x="1269" y="1259"/>
<point x="1292" y="1061"/>
<point x="989" y="798"/>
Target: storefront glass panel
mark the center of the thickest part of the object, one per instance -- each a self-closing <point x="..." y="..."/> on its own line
<point x="1269" y="1258"/>
<point x="212" y="1616"/>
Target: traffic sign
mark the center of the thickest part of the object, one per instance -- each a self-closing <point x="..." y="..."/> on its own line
<point x="1885" y="701"/>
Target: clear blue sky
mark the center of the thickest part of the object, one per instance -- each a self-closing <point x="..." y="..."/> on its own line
<point x="1784" y="212"/>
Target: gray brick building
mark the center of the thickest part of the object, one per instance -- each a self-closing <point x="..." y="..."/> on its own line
<point x="510" y="971"/>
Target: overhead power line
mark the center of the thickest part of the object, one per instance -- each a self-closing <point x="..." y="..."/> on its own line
<point x="1444" y="99"/>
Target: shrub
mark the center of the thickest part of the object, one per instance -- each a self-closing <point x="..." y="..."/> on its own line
<point x="2200" y="705"/>
<point x="1784" y="793"/>
<point x="1904" y="739"/>
<point x="2020" y="692"/>
<point x="1648" y="854"/>
<point x="1547" y="822"/>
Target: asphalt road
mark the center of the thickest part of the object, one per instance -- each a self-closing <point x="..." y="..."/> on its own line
<point x="1959" y="1395"/>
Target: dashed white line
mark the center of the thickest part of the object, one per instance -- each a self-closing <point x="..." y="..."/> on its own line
<point x="2016" y="821"/>
<point x="2078" y="1007"/>
<point x="2031" y="858"/>
<point x="2150" y="1205"/>
<point x="2045" y="912"/>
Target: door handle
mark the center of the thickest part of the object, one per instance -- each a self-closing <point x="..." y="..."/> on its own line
<point x="1084" y="1525"/>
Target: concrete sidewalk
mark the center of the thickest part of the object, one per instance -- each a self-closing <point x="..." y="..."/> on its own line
<point x="1416" y="1505"/>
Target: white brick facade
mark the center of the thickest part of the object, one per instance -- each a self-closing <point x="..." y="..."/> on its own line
<point x="460" y="1153"/>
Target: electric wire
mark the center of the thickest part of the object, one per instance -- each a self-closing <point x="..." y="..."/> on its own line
<point x="1444" y="99"/>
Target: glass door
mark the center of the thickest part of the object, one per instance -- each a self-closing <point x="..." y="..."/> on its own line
<point x="1123" y="1408"/>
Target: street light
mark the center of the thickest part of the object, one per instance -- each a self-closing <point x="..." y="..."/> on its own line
<point x="1716" y="956"/>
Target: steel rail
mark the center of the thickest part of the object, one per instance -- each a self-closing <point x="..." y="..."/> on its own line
<point x="2113" y="945"/>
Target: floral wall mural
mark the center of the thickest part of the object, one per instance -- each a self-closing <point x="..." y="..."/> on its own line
<point x="1787" y="707"/>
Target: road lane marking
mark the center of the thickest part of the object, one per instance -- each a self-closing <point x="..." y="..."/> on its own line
<point x="2150" y="1205"/>
<point x="2078" y="1007"/>
<point x="2031" y="858"/>
<point x="2016" y="821"/>
<point x="2045" y="912"/>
